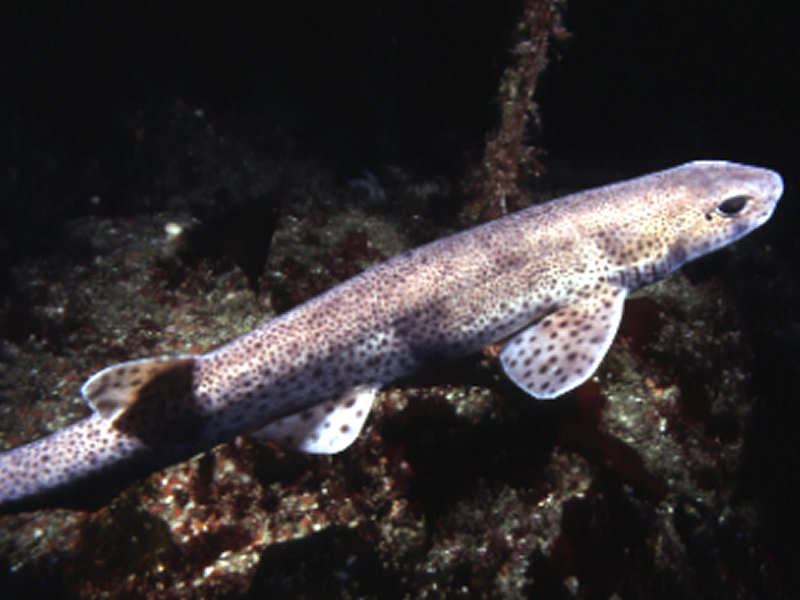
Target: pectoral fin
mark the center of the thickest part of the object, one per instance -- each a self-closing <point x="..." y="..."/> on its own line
<point x="326" y="428"/>
<point x="563" y="349"/>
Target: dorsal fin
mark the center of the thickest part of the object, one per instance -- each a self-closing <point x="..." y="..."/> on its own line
<point x="112" y="391"/>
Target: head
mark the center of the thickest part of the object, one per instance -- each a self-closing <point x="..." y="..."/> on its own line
<point x="719" y="203"/>
<point x="670" y="217"/>
<point x="649" y="226"/>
